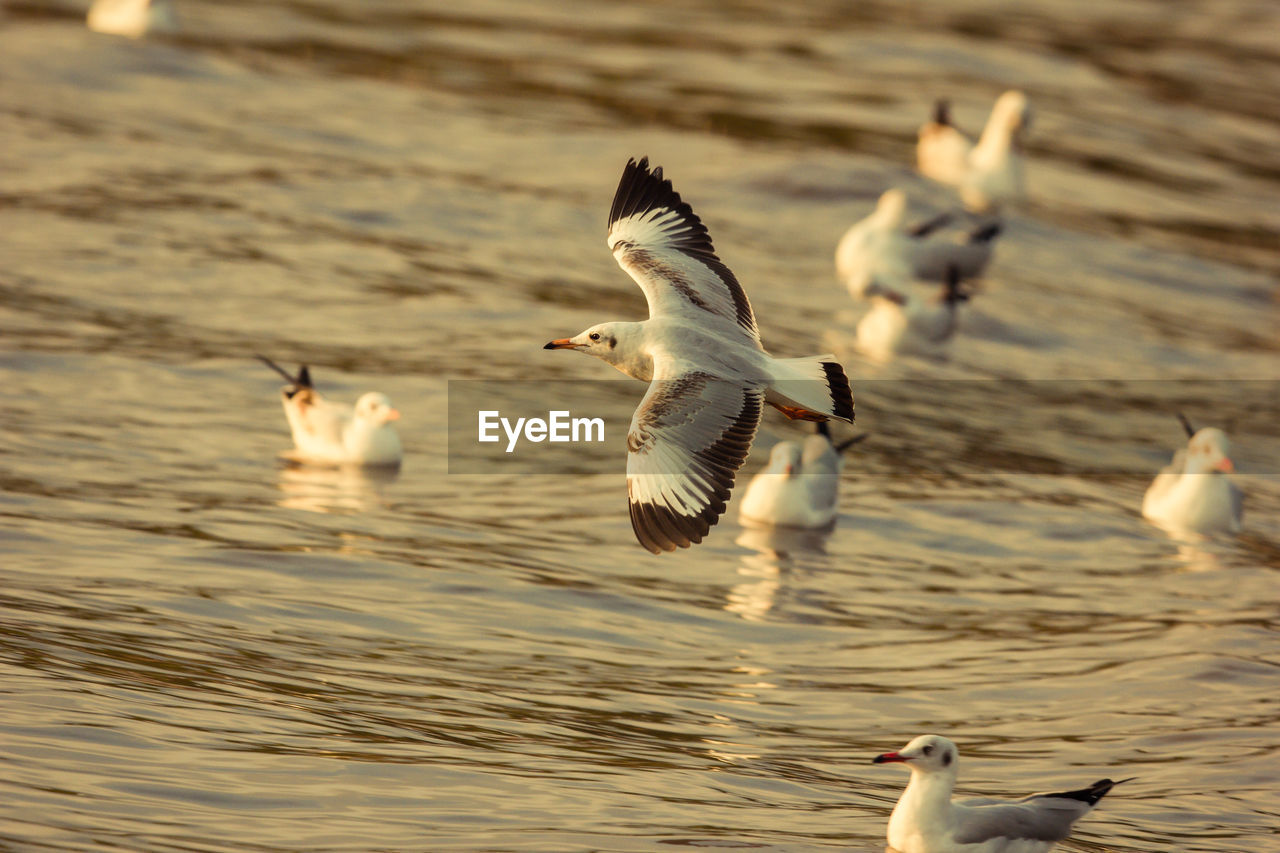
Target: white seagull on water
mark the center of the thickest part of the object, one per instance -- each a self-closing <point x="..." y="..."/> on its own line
<point x="904" y="322"/>
<point x="334" y="433"/>
<point x="132" y="18"/>
<point x="700" y="352"/>
<point x="801" y="485"/>
<point x="927" y="820"/>
<point x="1191" y="495"/>
<point x="882" y="249"/>
<point x="987" y="174"/>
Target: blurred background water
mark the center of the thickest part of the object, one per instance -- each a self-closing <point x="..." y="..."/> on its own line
<point x="205" y="650"/>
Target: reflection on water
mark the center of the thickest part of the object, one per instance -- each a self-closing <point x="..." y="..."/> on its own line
<point x="345" y="488"/>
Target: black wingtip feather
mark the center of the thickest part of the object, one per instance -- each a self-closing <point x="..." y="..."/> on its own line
<point x="942" y="112"/>
<point x="986" y="233"/>
<point x="841" y="393"/>
<point x="1093" y="793"/>
<point x="1186" y="425"/>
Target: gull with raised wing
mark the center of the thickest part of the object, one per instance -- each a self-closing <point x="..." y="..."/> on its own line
<point x="883" y="250"/>
<point x="927" y="820"/>
<point x="987" y="174"/>
<point x="1191" y="494"/>
<point x="331" y="433"/>
<point x="801" y="484"/>
<point x="709" y="376"/>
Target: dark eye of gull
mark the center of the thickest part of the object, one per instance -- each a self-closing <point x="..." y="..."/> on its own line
<point x="928" y="750"/>
<point x="595" y="336"/>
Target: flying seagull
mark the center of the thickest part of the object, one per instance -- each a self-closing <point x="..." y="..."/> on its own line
<point x="709" y="376"/>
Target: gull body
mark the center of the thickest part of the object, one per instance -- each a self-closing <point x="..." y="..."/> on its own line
<point x="800" y="487"/>
<point x="987" y="174"/>
<point x="132" y="18"/>
<point x="927" y="820"/>
<point x="904" y="322"/>
<point x="882" y="249"/>
<point x="329" y="433"/>
<point x="1192" y="493"/>
<point x="700" y="351"/>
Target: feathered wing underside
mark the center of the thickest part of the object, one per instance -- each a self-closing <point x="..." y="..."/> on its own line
<point x="687" y="441"/>
<point x="662" y="244"/>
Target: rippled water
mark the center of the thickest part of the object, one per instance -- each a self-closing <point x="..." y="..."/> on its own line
<point x="206" y="650"/>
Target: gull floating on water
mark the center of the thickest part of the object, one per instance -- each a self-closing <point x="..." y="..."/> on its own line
<point x="904" y="322"/>
<point x="927" y="820"/>
<point x="334" y="433"/>
<point x="700" y="351"/>
<point x="1191" y="495"/>
<point x="132" y="18"/>
<point x="800" y="486"/>
<point x="987" y="174"/>
<point x="882" y="250"/>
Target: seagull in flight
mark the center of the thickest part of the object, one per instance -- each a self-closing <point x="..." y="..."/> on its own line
<point x="709" y="376"/>
<point x="927" y="820"/>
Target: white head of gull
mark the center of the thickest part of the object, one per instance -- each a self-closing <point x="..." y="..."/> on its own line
<point x="331" y="433"/>
<point x="927" y="820"/>
<point x="881" y="250"/>
<point x="700" y="351"/>
<point x="1192" y="493"/>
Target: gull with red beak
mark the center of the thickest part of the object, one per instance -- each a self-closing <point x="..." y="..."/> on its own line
<point x="700" y="351"/>
<point x="331" y="433"/>
<point x="927" y="820"/>
<point x="1191" y="495"/>
<point x="800" y="486"/>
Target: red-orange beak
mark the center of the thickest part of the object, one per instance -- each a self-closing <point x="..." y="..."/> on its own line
<point x="393" y="415"/>
<point x="887" y="758"/>
<point x="1225" y="466"/>
<point x="562" y="343"/>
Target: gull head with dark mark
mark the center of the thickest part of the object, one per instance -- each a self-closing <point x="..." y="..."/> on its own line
<point x="927" y="820"/>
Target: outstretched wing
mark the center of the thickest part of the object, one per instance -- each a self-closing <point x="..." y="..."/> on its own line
<point x="663" y="245"/>
<point x="687" y="441"/>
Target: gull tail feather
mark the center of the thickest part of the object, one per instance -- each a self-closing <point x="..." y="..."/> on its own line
<point x="814" y="388"/>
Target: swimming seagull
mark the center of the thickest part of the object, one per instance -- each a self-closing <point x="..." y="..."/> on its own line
<point x="882" y="249"/>
<point x="700" y="352"/>
<point x="132" y="18"/>
<point x="800" y="486"/>
<point x="987" y="174"/>
<point x="927" y="820"/>
<point x="903" y="322"/>
<point x="1191" y="495"/>
<point x="334" y="433"/>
